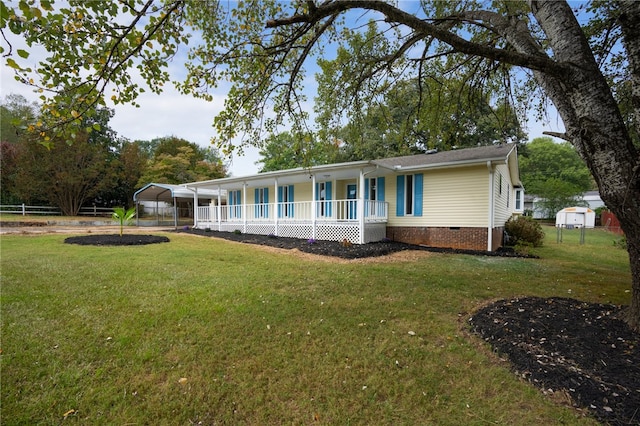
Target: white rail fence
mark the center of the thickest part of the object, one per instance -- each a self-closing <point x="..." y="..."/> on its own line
<point x="25" y="210"/>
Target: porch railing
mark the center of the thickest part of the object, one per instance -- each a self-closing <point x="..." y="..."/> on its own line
<point x="299" y="211"/>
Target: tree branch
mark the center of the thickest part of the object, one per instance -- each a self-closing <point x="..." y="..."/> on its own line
<point x="538" y="62"/>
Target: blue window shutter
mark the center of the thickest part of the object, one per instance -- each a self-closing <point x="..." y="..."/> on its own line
<point x="317" y="191"/>
<point x="328" y="196"/>
<point x="266" y="201"/>
<point x="380" y="195"/>
<point x="279" y="201"/>
<point x="366" y="197"/>
<point x="400" y="195"/>
<point x="291" y="212"/>
<point x="417" y="198"/>
<point x="380" y="188"/>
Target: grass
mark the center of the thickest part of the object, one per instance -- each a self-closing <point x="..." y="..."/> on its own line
<point x="202" y="330"/>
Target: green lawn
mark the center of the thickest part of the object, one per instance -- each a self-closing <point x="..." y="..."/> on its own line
<point x="203" y="330"/>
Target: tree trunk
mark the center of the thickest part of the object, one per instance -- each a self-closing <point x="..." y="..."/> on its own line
<point x="595" y="127"/>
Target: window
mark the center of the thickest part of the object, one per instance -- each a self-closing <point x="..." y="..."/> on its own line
<point x="519" y="198"/>
<point x="373" y="189"/>
<point x="262" y="202"/>
<point x="235" y="203"/>
<point x="323" y="198"/>
<point x="285" y="201"/>
<point x="409" y="195"/>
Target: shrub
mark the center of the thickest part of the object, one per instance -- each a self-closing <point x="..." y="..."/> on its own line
<point x="620" y="243"/>
<point x="523" y="231"/>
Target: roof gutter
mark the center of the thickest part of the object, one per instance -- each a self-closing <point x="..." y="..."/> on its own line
<point x="467" y="163"/>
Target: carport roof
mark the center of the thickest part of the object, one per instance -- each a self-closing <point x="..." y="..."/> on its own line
<point x="168" y="192"/>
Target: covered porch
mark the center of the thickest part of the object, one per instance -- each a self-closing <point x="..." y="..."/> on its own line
<point x="334" y="202"/>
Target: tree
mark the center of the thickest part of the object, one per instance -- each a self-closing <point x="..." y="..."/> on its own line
<point x="64" y="175"/>
<point x="568" y="64"/>
<point x="8" y="170"/>
<point x="286" y="151"/>
<point x="16" y="113"/>
<point x="177" y="161"/>
<point x="126" y="168"/>
<point x="434" y="110"/>
<point x="555" y="173"/>
<point x="67" y="175"/>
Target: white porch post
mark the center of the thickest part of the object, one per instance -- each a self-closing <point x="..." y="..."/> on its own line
<point x="244" y="207"/>
<point x="219" y="207"/>
<point x="361" y="207"/>
<point x="314" y="207"/>
<point x="275" y="206"/>
<point x="195" y="207"/>
<point x="491" y="207"/>
<point x="175" y="213"/>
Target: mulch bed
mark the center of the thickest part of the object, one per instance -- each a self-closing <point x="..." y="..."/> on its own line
<point x="563" y="345"/>
<point x="116" y="240"/>
<point x="336" y="248"/>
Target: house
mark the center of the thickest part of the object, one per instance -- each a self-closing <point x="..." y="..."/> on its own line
<point x="534" y="205"/>
<point x="456" y="199"/>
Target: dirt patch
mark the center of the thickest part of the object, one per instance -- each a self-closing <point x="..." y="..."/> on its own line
<point x="116" y="240"/>
<point x="567" y="347"/>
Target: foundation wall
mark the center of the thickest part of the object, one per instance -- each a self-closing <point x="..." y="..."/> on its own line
<point x="447" y="237"/>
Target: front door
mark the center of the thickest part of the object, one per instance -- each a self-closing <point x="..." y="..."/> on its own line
<point x="352" y="203"/>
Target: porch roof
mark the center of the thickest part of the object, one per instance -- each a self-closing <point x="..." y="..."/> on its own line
<point x="498" y="153"/>
<point x="339" y="171"/>
<point x="167" y="192"/>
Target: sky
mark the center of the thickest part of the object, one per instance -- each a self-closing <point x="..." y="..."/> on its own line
<point x="186" y="117"/>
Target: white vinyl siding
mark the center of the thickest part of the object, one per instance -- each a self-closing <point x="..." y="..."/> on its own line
<point x="451" y="197"/>
<point x="503" y="204"/>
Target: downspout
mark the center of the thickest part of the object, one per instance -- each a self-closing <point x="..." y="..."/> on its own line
<point x="491" y="207"/>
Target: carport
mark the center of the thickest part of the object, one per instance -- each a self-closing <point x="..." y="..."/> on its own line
<point x="172" y="194"/>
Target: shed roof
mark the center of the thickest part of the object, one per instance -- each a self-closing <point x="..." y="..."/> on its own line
<point x="168" y="192"/>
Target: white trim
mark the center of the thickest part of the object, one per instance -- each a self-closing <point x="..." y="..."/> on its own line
<point x="491" y="206"/>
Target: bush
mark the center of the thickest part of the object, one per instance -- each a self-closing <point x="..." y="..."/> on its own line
<point x="620" y="243"/>
<point x="523" y="231"/>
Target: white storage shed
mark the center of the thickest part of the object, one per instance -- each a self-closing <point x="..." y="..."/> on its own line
<point x="576" y="217"/>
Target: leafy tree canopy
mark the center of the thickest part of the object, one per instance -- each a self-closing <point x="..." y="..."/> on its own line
<point x="555" y="173"/>
<point x="542" y="159"/>
<point x="436" y="109"/>
<point x="287" y="151"/>
<point x="176" y="161"/>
